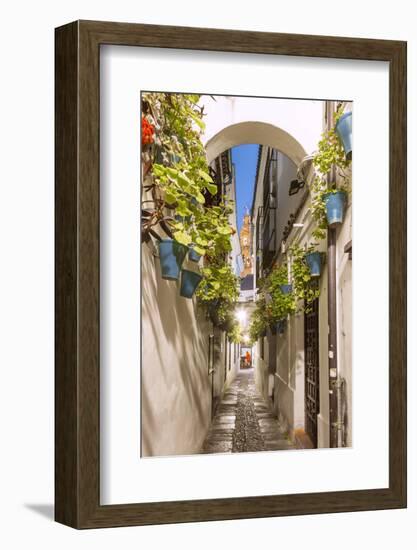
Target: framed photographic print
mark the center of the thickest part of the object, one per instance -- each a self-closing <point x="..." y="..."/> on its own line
<point x="230" y="274"/>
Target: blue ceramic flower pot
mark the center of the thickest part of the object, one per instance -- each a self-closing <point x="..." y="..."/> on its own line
<point x="344" y="132"/>
<point x="286" y="289"/>
<point x="189" y="282"/>
<point x="171" y="255"/>
<point x="193" y="256"/>
<point x="313" y="260"/>
<point x="335" y="207"/>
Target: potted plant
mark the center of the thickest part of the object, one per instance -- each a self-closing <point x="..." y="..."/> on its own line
<point x="305" y="287"/>
<point x="171" y="255"/>
<point x="282" y="302"/>
<point x="193" y="255"/>
<point x="219" y="290"/>
<point x="343" y="130"/>
<point x="329" y="196"/>
<point x="335" y="202"/>
<point x="189" y="282"/>
<point x="286" y="288"/>
<point x="176" y="173"/>
<point x="313" y="260"/>
<point x="328" y="206"/>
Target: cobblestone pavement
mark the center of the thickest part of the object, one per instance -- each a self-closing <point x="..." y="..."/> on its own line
<point x="244" y="421"/>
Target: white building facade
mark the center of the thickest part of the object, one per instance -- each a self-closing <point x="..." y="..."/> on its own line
<point x="292" y="367"/>
<point x="189" y="361"/>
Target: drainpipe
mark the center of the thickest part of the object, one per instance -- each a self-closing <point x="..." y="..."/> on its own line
<point x="332" y="309"/>
<point x="332" y="320"/>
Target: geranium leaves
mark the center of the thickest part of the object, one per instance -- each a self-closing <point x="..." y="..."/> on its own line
<point x="219" y="283"/>
<point x="181" y="171"/>
<point x="182" y="237"/>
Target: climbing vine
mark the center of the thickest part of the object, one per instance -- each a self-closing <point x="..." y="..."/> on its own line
<point x="259" y="320"/>
<point x="281" y="301"/>
<point x="177" y="182"/>
<point x="305" y="287"/>
<point x="176" y="176"/>
<point x="219" y="283"/>
<point x="330" y="159"/>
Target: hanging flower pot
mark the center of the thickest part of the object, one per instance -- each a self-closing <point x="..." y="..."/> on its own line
<point x="171" y="255"/>
<point x="344" y="132"/>
<point x="335" y="207"/>
<point x="313" y="260"/>
<point x="189" y="282"/>
<point x="193" y="255"/>
<point x="286" y="289"/>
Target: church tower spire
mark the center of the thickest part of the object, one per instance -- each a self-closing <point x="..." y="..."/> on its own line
<point x="245" y="244"/>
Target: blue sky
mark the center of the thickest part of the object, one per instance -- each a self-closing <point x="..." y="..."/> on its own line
<point x="245" y="158"/>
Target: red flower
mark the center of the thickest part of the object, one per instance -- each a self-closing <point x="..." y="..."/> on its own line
<point x="148" y="132"/>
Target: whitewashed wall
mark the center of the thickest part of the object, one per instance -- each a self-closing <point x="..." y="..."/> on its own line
<point x="176" y="387"/>
<point x="292" y="127"/>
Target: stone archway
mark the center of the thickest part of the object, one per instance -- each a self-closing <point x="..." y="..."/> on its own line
<point x="261" y="133"/>
<point x="292" y="127"/>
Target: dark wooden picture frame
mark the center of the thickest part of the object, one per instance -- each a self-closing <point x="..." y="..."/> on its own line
<point x="77" y="374"/>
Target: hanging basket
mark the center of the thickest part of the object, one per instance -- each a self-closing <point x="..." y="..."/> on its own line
<point x="171" y="255"/>
<point x="335" y="207"/>
<point x="344" y="132"/>
<point x="189" y="282"/>
<point x="313" y="260"/>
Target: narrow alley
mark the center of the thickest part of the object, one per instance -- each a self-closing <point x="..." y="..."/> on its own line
<point x="246" y="263"/>
<point x="244" y="421"/>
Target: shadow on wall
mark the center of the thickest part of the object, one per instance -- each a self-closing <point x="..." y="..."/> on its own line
<point x="175" y="389"/>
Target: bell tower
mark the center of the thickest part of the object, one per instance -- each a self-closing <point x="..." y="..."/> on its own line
<point x="245" y="245"/>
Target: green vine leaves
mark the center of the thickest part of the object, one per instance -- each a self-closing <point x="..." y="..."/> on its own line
<point x="330" y="159"/>
<point x="179" y="178"/>
<point x="219" y="283"/>
<point x="274" y="304"/>
<point x="281" y="304"/>
<point x="259" y="320"/>
<point x="305" y="287"/>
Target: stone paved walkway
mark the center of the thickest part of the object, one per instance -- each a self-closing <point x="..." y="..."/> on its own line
<point x="244" y="421"/>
